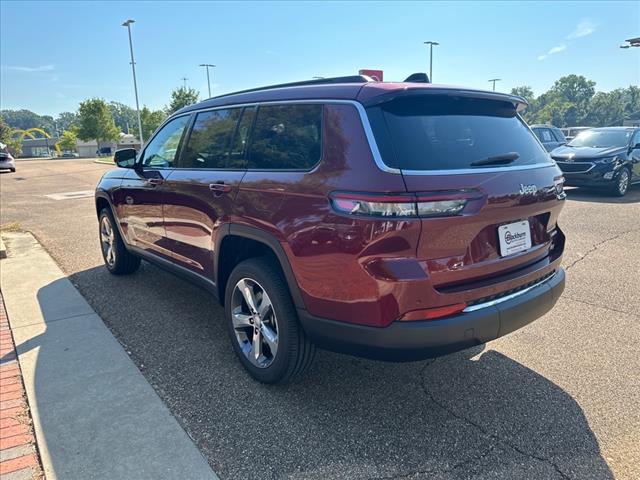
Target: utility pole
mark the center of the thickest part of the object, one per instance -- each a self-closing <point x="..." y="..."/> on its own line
<point x="494" y="80"/>
<point x="207" y="65"/>
<point x="184" y="80"/>
<point x="135" y="83"/>
<point x="431" y="44"/>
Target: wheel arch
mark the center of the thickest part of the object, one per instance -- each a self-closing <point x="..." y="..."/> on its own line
<point x="241" y="242"/>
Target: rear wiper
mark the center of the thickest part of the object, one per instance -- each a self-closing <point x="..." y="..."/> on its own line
<point x="497" y="159"/>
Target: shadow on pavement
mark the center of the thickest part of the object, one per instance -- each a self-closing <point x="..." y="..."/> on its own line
<point x="470" y="414"/>
<point x="602" y="196"/>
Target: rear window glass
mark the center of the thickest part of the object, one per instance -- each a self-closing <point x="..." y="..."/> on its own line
<point x="444" y="133"/>
<point x="286" y="137"/>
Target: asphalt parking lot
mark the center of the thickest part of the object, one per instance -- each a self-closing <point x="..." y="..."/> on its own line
<point x="557" y="399"/>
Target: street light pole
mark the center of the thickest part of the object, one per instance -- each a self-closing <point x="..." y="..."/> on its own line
<point x="207" y="65"/>
<point x="494" y="80"/>
<point x="135" y="83"/>
<point x="431" y="44"/>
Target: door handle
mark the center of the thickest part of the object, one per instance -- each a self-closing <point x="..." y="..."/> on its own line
<point x="219" y="188"/>
<point x="155" y="181"/>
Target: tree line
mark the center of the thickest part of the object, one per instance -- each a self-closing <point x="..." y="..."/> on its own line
<point x="573" y="101"/>
<point x="95" y="119"/>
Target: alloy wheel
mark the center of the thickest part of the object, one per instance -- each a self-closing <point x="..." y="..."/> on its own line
<point x="107" y="241"/>
<point x="254" y="322"/>
<point x="623" y="182"/>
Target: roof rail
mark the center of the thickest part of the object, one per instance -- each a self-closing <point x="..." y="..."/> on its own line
<point x="319" y="81"/>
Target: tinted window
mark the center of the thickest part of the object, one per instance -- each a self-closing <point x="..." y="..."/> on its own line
<point x="161" y="151"/>
<point x="210" y="139"/>
<point x="241" y="139"/>
<point x="443" y="133"/>
<point x="546" y="135"/>
<point x="286" y="137"/>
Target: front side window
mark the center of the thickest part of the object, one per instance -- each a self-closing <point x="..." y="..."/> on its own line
<point x="286" y="137"/>
<point x="210" y="139"/>
<point x="161" y="151"/>
<point x="443" y="133"/>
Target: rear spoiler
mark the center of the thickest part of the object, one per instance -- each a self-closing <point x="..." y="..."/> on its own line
<point x="518" y="103"/>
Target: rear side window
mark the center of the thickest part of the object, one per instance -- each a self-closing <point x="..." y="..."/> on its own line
<point x="210" y="139"/>
<point x="448" y="133"/>
<point x="286" y="137"/>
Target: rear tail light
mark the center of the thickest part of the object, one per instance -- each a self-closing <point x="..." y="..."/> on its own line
<point x="434" y="313"/>
<point x="398" y="206"/>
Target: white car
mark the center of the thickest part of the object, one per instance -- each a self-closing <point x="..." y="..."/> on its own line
<point x="6" y="159"/>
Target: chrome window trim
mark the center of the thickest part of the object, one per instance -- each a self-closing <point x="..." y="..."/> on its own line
<point x="497" y="301"/>
<point x="373" y="146"/>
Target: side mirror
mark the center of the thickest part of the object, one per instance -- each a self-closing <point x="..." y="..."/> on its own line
<point x="636" y="147"/>
<point x="125" y="158"/>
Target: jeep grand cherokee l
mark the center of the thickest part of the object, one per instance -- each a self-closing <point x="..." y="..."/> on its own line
<point x="396" y="221"/>
<point x="606" y="158"/>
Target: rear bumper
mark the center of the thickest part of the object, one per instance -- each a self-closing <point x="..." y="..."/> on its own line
<point x="406" y="341"/>
<point x="7" y="164"/>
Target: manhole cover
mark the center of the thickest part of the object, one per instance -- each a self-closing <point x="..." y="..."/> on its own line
<point x="70" y="195"/>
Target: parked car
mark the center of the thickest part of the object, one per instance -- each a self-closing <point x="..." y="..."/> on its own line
<point x="70" y="155"/>
<point x="602" y="158"/>
<point x="7" y="161"/>
<point x="397" y="221"/>
<point x="571" y="132"/>
<point x="551" y="137"/>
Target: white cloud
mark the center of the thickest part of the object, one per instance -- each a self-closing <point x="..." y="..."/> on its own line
<point x="552" y="51"/>
<point x="42" y="68"/>
<point x="584" y="28"/>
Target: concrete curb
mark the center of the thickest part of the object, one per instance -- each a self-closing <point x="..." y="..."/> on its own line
<point x="94" y="414"/>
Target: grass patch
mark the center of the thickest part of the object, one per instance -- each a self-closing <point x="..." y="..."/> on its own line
<point x="11" y="227"/>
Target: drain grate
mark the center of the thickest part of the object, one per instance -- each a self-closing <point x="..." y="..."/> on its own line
<point x="71" y="195"/>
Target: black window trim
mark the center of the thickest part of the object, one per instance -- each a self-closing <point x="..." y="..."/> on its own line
<point x="190" y="125"/>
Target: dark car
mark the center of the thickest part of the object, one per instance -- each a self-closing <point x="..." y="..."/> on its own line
<point x="397" y="221"/>
<point x="551" y="137"/>
<point x="602" y="158"/>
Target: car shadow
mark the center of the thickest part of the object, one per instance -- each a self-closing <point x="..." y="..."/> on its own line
<point x="581" y="194"/>
<point x="476" y="412"/>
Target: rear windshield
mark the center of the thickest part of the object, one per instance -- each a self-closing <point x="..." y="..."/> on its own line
<point x="444" y="133"/>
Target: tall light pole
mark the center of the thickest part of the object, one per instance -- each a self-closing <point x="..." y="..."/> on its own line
<point x="135" y="83"/>
<point x="494" y="80"/>
<point x="184" y="81"/>
<point x="207" y="65"/>
<point x="431" y="44"/>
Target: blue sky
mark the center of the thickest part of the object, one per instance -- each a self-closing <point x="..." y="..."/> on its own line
<point x="55" y="54"/>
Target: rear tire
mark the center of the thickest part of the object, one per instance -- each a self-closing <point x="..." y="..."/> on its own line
<point x="269" y="326"/>
<point x="621" y="184"/>
<point x="117" y="258"/>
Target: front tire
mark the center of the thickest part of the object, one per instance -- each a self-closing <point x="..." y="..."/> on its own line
<point x="621" y="185"/>
<point x="117" y="258"/>
<point x="263" y="323"/>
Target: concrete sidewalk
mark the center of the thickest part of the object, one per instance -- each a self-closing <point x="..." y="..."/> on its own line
<point x="95" y="415"/>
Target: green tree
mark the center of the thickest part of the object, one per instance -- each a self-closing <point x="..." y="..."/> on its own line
<point x="124" y="116"/>
<point x="26" y="119"/>
<point x="151" y="120"/>
<point x="606" y="109"/>
<point x="68" y="140"/>
<point x="6" y="137"/>
<point x="95" y="121"/>
<point x="66" y="120"/>
<point x="182" y="97"/>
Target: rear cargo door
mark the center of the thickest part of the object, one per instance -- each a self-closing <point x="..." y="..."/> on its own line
<point x="487" y="191"/>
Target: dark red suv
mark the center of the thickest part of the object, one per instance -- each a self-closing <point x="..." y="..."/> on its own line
<point x="397" y="221"/>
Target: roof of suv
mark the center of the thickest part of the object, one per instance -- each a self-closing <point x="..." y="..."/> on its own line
<point x="368" y="93"/>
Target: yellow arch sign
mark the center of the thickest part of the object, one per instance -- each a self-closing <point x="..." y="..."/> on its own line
<point x="31" y="133"/>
